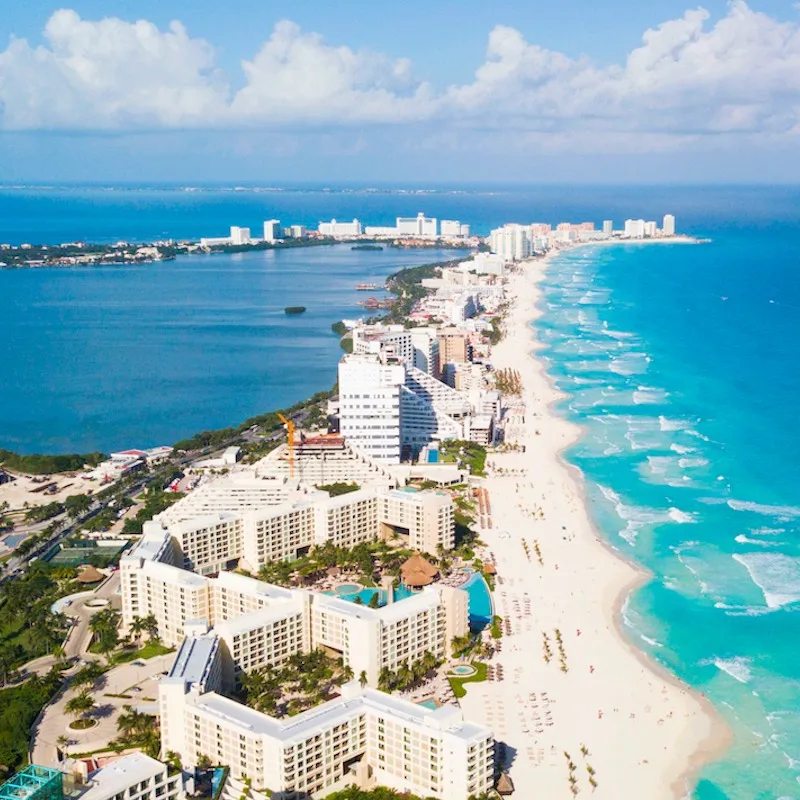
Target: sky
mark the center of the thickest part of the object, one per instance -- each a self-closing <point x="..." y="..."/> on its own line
<point x="617" y="91"/>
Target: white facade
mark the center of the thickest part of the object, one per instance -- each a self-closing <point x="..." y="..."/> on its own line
<point x="425" y="518"/>
<point x="240" y="235"/>
<point x="134" y="777"/>
<point x="369" y="405"/>
<point x="608" y="227"/>
<point x="634" y="228"/>
<point x="298" y="231"/>
<point x="215" y="241"/>
<point x="272" y="230"/>
<point x="650" y="229"/>
<point x="416" y="226"/>
<point x="361" y="736"/>
<point x="453" y="229"/>
<point x="511" y="242"/>
<point x="340" y="229"/>
<point x="668" y="226"/>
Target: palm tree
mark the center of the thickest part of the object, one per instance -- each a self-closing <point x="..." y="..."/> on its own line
<point x="362" y="678"/>
<point x="150" y="626"/>
<point x="136" y="627"/>
<point x="80" y="705"/>
<point x="63" y="741"/>
<point x="347" y="673"/>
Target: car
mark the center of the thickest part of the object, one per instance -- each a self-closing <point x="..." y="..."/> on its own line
<point x="136" y="689"/>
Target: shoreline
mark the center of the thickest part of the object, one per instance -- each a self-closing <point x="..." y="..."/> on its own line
<point x="720" y="737"/>
<point x="634" y="755"/>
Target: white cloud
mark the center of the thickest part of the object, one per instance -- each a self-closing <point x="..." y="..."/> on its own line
<point x="690" y="77"/>
<point x="108" y="74"/>
<point x="297" y="77"/>
<point x="742" y="73"/>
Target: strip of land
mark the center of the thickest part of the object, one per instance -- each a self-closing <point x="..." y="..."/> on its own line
<point x="576" y="697"/>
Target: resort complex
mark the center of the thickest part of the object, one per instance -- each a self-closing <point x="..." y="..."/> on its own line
<point x="363" y="602"/>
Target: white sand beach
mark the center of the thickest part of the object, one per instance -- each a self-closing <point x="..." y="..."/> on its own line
<point x="645" y="733"/>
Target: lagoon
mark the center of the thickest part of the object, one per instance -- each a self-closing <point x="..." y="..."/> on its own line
<point x="105" y="358"/>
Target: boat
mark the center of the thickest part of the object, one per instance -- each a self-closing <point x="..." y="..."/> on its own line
<point x="366" y="287"/>
<point x="294" y="310"/>
<point x="366" y="247"/>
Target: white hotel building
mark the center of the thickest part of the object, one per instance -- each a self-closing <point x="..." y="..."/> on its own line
<point x="232" y="624"/>
<point x="391" y="410"/>
<point x="340" y="229"/>
<point x="364" y="737"/>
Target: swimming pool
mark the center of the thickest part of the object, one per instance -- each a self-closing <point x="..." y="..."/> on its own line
<point x="462" y="670"/>
<point x="428" y="704"/>
<point x="480" y="601"/>
<point x="348" y="588"/>
<point x="366" y="595"/>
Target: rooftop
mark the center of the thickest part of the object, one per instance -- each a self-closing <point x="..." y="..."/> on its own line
<point x="193" y="658"/>
<point x="120" y="774"/>
<point x="351" y="704"/>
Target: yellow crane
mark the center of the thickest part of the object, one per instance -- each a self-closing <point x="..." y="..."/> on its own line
<point x="290" y="441"/>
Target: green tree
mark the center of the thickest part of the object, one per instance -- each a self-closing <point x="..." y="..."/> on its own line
<point x="80" y="705"/>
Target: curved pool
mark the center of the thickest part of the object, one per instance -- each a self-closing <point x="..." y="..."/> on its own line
<point x="480" y="601"/>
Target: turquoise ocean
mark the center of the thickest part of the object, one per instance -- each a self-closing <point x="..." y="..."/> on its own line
<point x="680" y="363"/>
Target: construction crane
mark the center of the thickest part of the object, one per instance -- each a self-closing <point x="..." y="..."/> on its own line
<point x="290" y="441"/>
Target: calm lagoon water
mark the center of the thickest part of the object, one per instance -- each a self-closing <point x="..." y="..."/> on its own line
<point x="102" y="358"/>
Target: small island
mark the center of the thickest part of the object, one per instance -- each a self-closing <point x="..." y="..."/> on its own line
<point x="294" y="310"/>
<point x="366" y="247"/>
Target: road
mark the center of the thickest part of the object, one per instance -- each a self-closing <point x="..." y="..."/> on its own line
<point x="79" y="637"/>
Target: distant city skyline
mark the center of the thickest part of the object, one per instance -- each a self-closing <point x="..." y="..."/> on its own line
<point x="454" y="92"/>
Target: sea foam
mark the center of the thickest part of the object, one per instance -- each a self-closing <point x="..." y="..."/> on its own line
<point x="781" y="512"/>
<point x="738" y="668"/>
<point x="776" y="574"/>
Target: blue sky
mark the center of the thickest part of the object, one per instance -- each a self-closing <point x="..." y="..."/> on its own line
<point x="424" y="91"/>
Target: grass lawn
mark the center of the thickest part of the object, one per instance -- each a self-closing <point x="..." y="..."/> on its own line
<point x="458" y="683"/>
<point x="149" y="650"/>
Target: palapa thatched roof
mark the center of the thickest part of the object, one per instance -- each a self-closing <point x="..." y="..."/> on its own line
<point x="90" y="574"/>
<point x="490" y="569"/>
<point x="505" y="785"/>
<point x="418" y="571"/>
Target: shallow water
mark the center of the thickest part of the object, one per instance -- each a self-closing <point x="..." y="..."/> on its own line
<point x="680" y="362"/>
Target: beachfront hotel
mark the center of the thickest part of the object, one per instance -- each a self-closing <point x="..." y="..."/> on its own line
<point x="231" y="624"/>
<point x="263" y="624"/>
<point x="212" y="536"/>
<point x="392" y="410"/>
<point x="363" y="737"/>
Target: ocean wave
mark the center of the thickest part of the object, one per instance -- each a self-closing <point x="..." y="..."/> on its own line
<point x="651" y="642"/>
<point x="738" y="668"/>
<point x="782" y="512"/>
<point x="595" y="298"/>
<point x="681" y="449"/>
<point x="630" y="364"/>
<point x="743" y="611"/>
<point x="646" y="395"/>
<point x="690" y="463"/>
<point x="637" y="517"/>
<point x="776" y="574"/>
<point x="664" y="470"/>
<point x="742" y="539"/>
<point x="617" y="334"/>
<point x="667" y="424"/>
